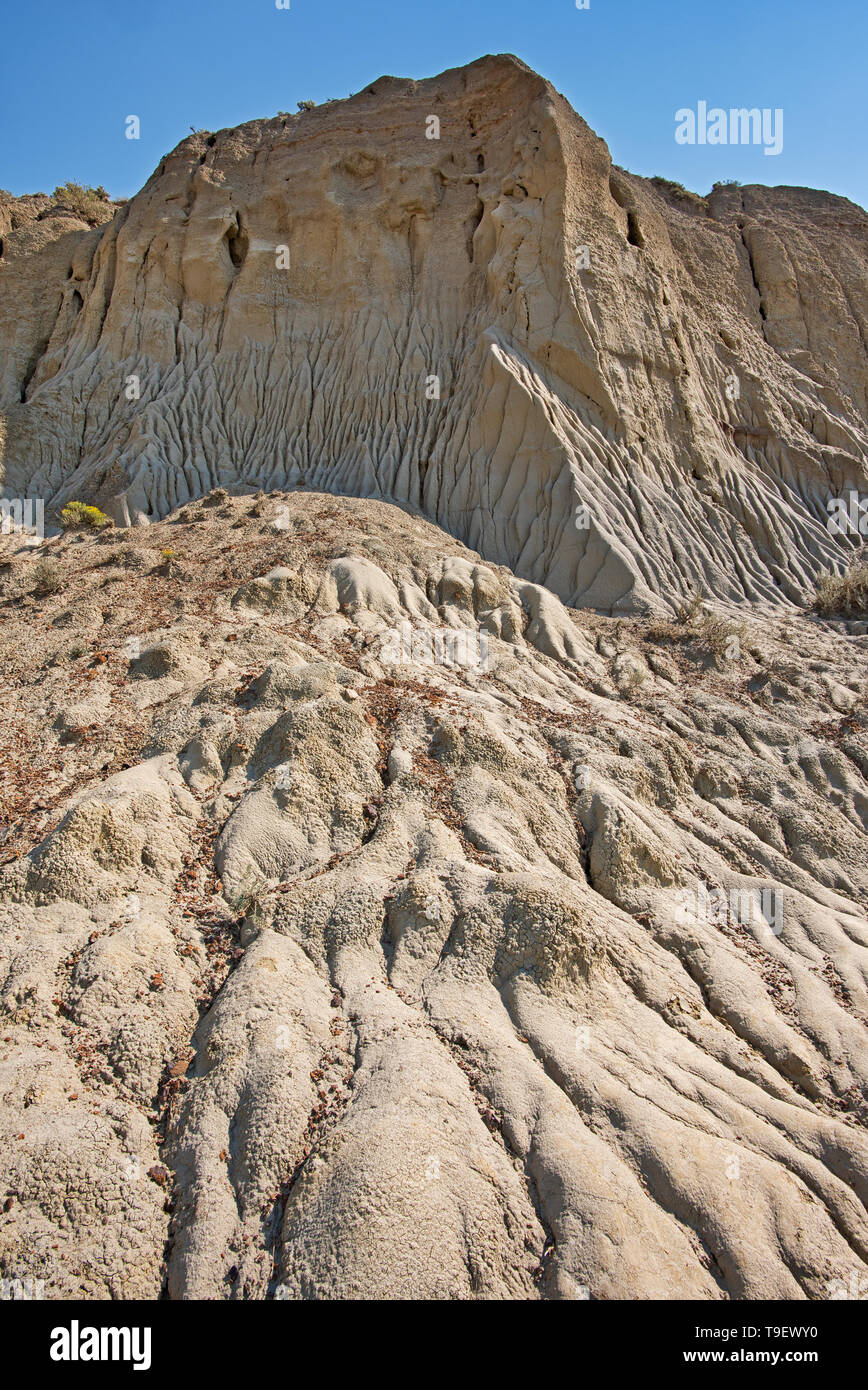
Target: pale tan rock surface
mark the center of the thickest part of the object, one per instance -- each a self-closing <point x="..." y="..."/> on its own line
<point x="328" y="975"/>
<point x="696" y="376"/>
<point x="392" y="904"/>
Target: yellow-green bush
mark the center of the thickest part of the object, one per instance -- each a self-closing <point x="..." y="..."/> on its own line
<point x="78" y="515"/>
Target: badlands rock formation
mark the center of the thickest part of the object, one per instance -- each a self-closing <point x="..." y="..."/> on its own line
<point x="331" y="970"/>
<point x="404" y="891"/>
<point x="691" y="372"/>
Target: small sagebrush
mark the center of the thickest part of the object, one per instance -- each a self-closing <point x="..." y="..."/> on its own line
<point x="635" y="678"/>
<point x="48" y="578"/>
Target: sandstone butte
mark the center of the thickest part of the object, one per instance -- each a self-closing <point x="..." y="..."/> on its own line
<point x="328" y="969"/>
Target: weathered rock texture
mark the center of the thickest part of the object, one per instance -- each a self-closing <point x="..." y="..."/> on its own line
<point x="330" y="967"/>
<point x="323" y="976"/>
<point x="609" y="387"/>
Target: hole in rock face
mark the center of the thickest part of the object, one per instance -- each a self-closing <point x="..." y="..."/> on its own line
<point x="77" y="302"/>
<point x="634" y="234"/>
<point x="238" y="242"/>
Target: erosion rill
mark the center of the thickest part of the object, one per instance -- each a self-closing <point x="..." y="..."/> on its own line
<point x="408" y="888"/>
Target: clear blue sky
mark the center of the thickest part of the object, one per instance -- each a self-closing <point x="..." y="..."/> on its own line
<point x="72" y="70"/>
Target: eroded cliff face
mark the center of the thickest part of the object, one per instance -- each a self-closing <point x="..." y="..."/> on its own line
<point x="688" y="379"/>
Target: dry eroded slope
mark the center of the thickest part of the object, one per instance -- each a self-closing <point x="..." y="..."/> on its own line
<point x="326" y="977"/>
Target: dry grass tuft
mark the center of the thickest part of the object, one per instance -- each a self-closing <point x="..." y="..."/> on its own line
<point x="709" y="633"/>
<point x="844" y="595"/>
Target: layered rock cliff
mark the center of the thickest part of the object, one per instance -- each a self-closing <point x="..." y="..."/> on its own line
<point x="686" y="378"/>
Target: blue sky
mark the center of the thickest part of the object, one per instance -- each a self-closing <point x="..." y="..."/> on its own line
<point x="71" y="72"/>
